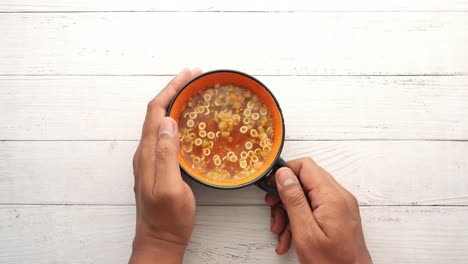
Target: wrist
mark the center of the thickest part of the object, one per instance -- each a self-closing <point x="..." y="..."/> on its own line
<point x="148" y="250"/>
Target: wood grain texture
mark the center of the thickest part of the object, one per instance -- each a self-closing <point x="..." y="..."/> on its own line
<point x="213" y="5"/>
<point x="102" y="234"/>
<point x="377" y="172"/>
<point x="328" y="43"/>
<point x="320" y="107"/>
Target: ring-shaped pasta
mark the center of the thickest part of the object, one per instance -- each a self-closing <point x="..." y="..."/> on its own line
<point x="202" y="133"/>
<point x="193" y="115"/>
<point x="211" y="135"/>
<point x="244" y="154"/>
<point x="202" y="125"/>
<point x="248" y="145"/>
<point x="206" y="151"/>
<point x="255" y="116"/>
<point x="254" y="158"/>
<point x="190" y="123"/>
<point x="254" y="133"/>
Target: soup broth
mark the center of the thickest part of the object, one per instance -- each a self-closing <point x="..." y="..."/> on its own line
<point x="226" y="132"/>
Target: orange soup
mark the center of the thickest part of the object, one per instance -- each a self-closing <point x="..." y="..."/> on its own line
<point x="226" y="132"/>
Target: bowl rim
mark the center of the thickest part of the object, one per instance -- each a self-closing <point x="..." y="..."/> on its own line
<point x="278" y="154"/>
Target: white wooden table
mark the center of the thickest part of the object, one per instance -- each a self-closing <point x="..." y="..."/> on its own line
<point x="374" y="91"/>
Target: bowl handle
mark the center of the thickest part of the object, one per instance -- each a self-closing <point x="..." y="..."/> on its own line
<point x="264" y="183"/>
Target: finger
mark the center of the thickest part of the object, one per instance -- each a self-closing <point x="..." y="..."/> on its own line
<point x="295" y="202"/>
<point x="279" y="220"/>
<point x="175" y="85"/>
<point x="271" y="200"/>
<point x="136" y="168"/>
<point x="284" y="241"/>
<point x="327" y="182"/>
<point x="157" y="107"/>
<point x="155" y="112"/>
<point x="196" y="72"/>
<point x="315" y="182"/>
<point x="135" y="163"/>
<point x="309" y="173"/>
<point x="167" y="171"/>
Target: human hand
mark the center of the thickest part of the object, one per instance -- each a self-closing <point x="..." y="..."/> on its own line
<point x="321" y="217"/>
<point x="165" y="205"/>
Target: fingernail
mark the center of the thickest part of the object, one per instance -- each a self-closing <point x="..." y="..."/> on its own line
<point x="167" y="126"/>
<point x="272" y="221"/>
<point x="286" y="177"/>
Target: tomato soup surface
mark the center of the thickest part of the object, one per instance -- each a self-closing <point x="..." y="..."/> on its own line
<point x="226" y="132"/>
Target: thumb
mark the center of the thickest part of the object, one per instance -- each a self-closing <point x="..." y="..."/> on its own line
<point x="294" y="200"/>
<point x="167" y="173"/>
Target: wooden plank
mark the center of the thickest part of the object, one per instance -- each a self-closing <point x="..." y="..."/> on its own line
<point x="234" y="234"/>
<point x="321" y="107"/>
<point x="213" y="5"/>
<point x="328" y="43"/>
<point x="377" y="172"/>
